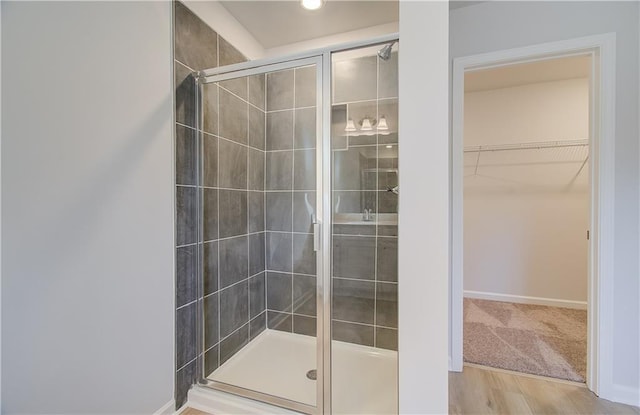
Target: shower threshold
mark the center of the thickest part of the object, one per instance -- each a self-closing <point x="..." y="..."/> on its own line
<point x="276" y="363"/>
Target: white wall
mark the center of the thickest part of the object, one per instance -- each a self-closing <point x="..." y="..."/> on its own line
<point x="87" y="207"/>
<point x="423" y="255"/>
<point x="526" y="212"/>
<point x="516" y="24"/>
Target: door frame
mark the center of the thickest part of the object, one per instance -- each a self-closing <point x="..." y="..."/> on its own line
<point x="601" y="164"/>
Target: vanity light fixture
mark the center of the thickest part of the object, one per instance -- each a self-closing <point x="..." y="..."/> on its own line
<point x="382" y="123"/>
<point x="351" y="127"/>
<point x="312" y="4"/>
<point x="366" y="124"/>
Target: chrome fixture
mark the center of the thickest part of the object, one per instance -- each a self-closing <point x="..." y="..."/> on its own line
<point x="393" y="189"/>
<point x="385" y="52"/>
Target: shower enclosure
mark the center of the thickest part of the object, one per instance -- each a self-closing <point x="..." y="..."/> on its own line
<point x="297" y="228"/>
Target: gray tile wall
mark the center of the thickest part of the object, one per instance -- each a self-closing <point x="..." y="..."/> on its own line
<point x="290" y="200"/>
<point x="365" y="264"/>
<point x="232" y="195"/>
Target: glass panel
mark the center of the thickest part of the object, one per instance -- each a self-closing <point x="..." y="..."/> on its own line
<point x="364" y="134"/>
<point x="258" y="158"/>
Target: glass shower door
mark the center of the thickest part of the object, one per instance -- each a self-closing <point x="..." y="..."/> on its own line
<point x="364" y="201"/>
<point x="260" y="151"/>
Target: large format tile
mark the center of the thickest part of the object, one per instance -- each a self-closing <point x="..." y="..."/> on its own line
<point x="279" y="251"/>
<point x="257" y="295"/>
<point x="234" y="308"/>
<point x="304" y="325"/>
<point x="228" y="54"/>
<point x="304" y="169"/>
<point x="186" y="284"/>
<point x="279" y="321"/>
<point x="280" y="90"/>
<point x="233" y="165"/>
<point x="386" y="338"/>
<point x="234" y="259"/>
<point x="232" y="344"/>
<point x="185" y="377"/>
<point x="305" y="128"/>
<point x="388" y="77"/>
<point x="185" y="95"/>
<point x="185" y="334"/>
<point x="257" y="90"/>
<point x="256" y="211"/>
<point x="354" y="257"/>
<point x="211" y="320"/>
<point x="279" y="133"/>
<point x="210" y="108"/>
<point x="210" y="214"/>
<point x="304" y="209"/>
<point x="233" y="213"/>
<point x="186" y="210"/>
<point x="387" y="304"/>
<point x="195" y="42"/>
<point x="234" y="117"/>
<point x="350" y="168"/>
<point x="210" y="267"/>
<point x="355" y="79"/>
<point x="304" y="257"/>
<point x="256" y="128"/>
<point x="353" y="333"/>
<point x="353" y="301"/>
<point x="387" y="259"/>
<point x="279" y="174"/>
<point x="211" y="362"/>
<point x="237" y="86"/>
<point x="209" y="160"/>
<point x="304" y="295"/>
<point x="256" y="169"/>
<point x="387" y="202"/>
<point x="256" y="253"/>
<point x="354" y="201"/>
<point x="306" y="86"/>
<point x="279" y="289"/>
<point x="257" y="325"/>
<point x="278" y="208"/>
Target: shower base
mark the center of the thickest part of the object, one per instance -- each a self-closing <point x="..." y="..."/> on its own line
<point x="364" y="378"/>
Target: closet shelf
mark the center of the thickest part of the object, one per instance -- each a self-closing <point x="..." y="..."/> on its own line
<point x="527" y="146"/>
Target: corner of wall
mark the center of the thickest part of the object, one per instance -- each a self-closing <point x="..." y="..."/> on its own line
<point x="214" y="14"/>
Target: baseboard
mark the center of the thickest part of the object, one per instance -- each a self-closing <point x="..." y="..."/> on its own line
<point x="521" y="299"/>
<point x="625" y="394"/>
<point x="167" y="408"/>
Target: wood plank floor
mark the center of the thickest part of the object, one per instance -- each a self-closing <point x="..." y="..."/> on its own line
<point x="480" y="390"/>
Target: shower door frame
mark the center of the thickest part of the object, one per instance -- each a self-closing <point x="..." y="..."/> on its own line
<point x="322" y="228"/>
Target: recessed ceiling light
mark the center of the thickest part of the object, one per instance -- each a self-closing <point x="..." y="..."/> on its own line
<point x="312" y="4"/>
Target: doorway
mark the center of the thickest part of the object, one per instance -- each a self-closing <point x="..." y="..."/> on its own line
<point x="526" y="197"/>
<point x="600" y="140"/>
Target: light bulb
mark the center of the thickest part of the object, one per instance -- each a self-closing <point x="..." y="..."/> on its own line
<point x="350" y="126"/>
<point x="382" y="124"/>
<point x="312" y="4"/>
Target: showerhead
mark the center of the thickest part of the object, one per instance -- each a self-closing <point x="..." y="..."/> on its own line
<point x="385" y="52"/>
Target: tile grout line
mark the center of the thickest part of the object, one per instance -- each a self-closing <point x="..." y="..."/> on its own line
<point x="249" y="169"/>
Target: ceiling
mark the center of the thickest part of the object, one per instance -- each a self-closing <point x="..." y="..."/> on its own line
<point x="528" y="73"/>
<point x="278" y="23"/>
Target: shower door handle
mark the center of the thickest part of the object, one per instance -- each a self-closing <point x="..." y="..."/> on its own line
<point x="317" y="234"/>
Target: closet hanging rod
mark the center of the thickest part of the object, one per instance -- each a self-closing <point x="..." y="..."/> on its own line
<point x="527" y="146"/>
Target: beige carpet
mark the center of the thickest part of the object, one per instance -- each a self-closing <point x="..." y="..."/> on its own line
<point x="546" y="341"/>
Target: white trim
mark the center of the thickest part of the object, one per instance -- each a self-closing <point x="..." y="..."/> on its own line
<point x="523" y="299"/>
<point x="625" y="394"/>
<point x="600" y="291"/>
<point x="217" y="402"/>
<point x="167" y="408"/>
